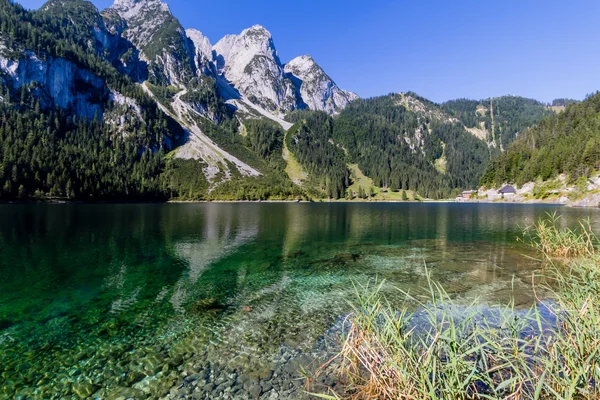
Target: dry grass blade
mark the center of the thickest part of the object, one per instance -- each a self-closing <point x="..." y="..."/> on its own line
<point x="445" y="351"/>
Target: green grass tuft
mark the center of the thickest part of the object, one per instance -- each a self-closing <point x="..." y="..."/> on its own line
<point x="446" y="351"/>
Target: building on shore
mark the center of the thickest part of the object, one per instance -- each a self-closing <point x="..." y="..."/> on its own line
<point x="507" y="191"/>
<point x="469" y="194"/>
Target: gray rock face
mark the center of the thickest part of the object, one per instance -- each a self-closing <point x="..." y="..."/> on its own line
<point x="101" y="33"/>
<point x="249" y="61"/>
<point x="202" y="51"/>
<point x="162" y="41"/>
<point x="59" y="80"/>
<point x="317" y="90"/>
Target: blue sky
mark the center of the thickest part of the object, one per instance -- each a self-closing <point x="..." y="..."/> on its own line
<point x="440" y="49"/>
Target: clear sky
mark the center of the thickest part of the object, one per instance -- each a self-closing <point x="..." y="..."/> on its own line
<point x="440" y="49"/>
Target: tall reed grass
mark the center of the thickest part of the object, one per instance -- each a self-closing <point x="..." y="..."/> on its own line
<point x="447" y="351"/>
<point x="553" y="241"/>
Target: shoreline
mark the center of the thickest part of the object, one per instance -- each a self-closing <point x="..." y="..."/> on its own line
<point x="135" y="202"/>
<point x="316" y="201"/>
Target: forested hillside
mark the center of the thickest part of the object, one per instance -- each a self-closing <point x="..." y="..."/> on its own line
<point x="310" y="140"/>
<point x="497" y="120"/>
<point x="406" y="142"/>
<point x="568" y="143"/>
<point x="47" y="150"/>
<point x="125" y="104"/>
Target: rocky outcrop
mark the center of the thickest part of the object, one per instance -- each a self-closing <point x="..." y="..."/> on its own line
<point x="101" y="33"/>
<point x="162" y="41"/>
<point x="58" y="81"/>
<point x="317" y="90"/>
<point x="202" y="51"/>
<point x="249" y="61"/>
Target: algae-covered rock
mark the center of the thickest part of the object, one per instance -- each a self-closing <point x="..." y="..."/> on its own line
<point x="123" y="393"/>
<point x="85" y="389"/>
<point x="206" y="305"/>
<point x="5" y="324"/>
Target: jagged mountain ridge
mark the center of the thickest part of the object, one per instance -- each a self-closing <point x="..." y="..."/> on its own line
<point x="249" y="62"/>
<point x="201" y="113"/>
<point x="317" y="90"/>
<point x="142" y="39"/>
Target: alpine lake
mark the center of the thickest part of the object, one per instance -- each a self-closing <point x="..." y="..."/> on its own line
<point x="207" y="301"/>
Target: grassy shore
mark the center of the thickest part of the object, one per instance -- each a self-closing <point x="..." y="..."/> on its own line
<point x="447" y="351"/>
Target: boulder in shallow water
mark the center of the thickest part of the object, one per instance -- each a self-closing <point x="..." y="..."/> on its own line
<point x="85" y="389"/>
<point x="5" y="324"/>
<point x="206" y="305"/>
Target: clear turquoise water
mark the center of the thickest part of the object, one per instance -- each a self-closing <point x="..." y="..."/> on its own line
<point x="129" y="297"/>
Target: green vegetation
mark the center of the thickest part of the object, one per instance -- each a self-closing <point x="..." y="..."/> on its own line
<point x="265" y="138"/>
<point x="164" y="94"/>
<point x="511" y="115"/>
<point x="394" y="144"/>
<point x="310" y="141"/>
<point x="543" y="190"/>
<point x="567" y="143"/>
<point x="203" y="95"/>
<point x="52" y="155"/>
<point x="446" y="351"/>
<point x="184" y="180"/>
<point x="553" y="241"/>
<point x="563" y="102"/>
<point x="271" y="187"/>
<point x="398" y="147"/>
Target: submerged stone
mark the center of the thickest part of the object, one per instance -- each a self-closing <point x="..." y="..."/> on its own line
<point x="205" y="305"/>
<point x="5" y="324"/>
<point x="85" y="389"/>
<point x="123" y="393"/>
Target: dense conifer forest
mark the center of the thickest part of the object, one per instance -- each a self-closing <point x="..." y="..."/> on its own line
<point x="567" y="143"/>
<point x="401" y="142"/>
<point x="403" y="149"/>
<point x="501" y="118"/>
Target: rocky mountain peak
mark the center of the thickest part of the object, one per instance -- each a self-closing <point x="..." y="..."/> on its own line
<point x="249" y="61"/>
<point x="257" y="31"/>
<point x="203" y="52"/>
<point x="317" y="90"/>
<point x="303" y="65"/>
<point x="162" y="41"/>
<point x="130" y="8"/>
<point x="252" y="41"/>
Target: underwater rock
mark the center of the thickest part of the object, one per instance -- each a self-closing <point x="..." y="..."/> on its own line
<point x="344" y="258"/>
<point x="339" y="259"/>
<point x="205" y="305"/>
<point x="5" y="324"/>
<point x="122" y="393"/>
<point x="85" y="389"/>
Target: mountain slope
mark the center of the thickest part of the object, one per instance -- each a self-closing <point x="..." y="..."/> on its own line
<point x="162" y="41"/>
<point x="497" y="120"/>
<point x="566" y="143"/>
<point x="317" y="90"/>
<point x="251" y="63"/>
<point x="401" y="141"/>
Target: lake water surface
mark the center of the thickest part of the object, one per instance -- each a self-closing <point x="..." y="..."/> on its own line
<point x="118" y="301"/>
